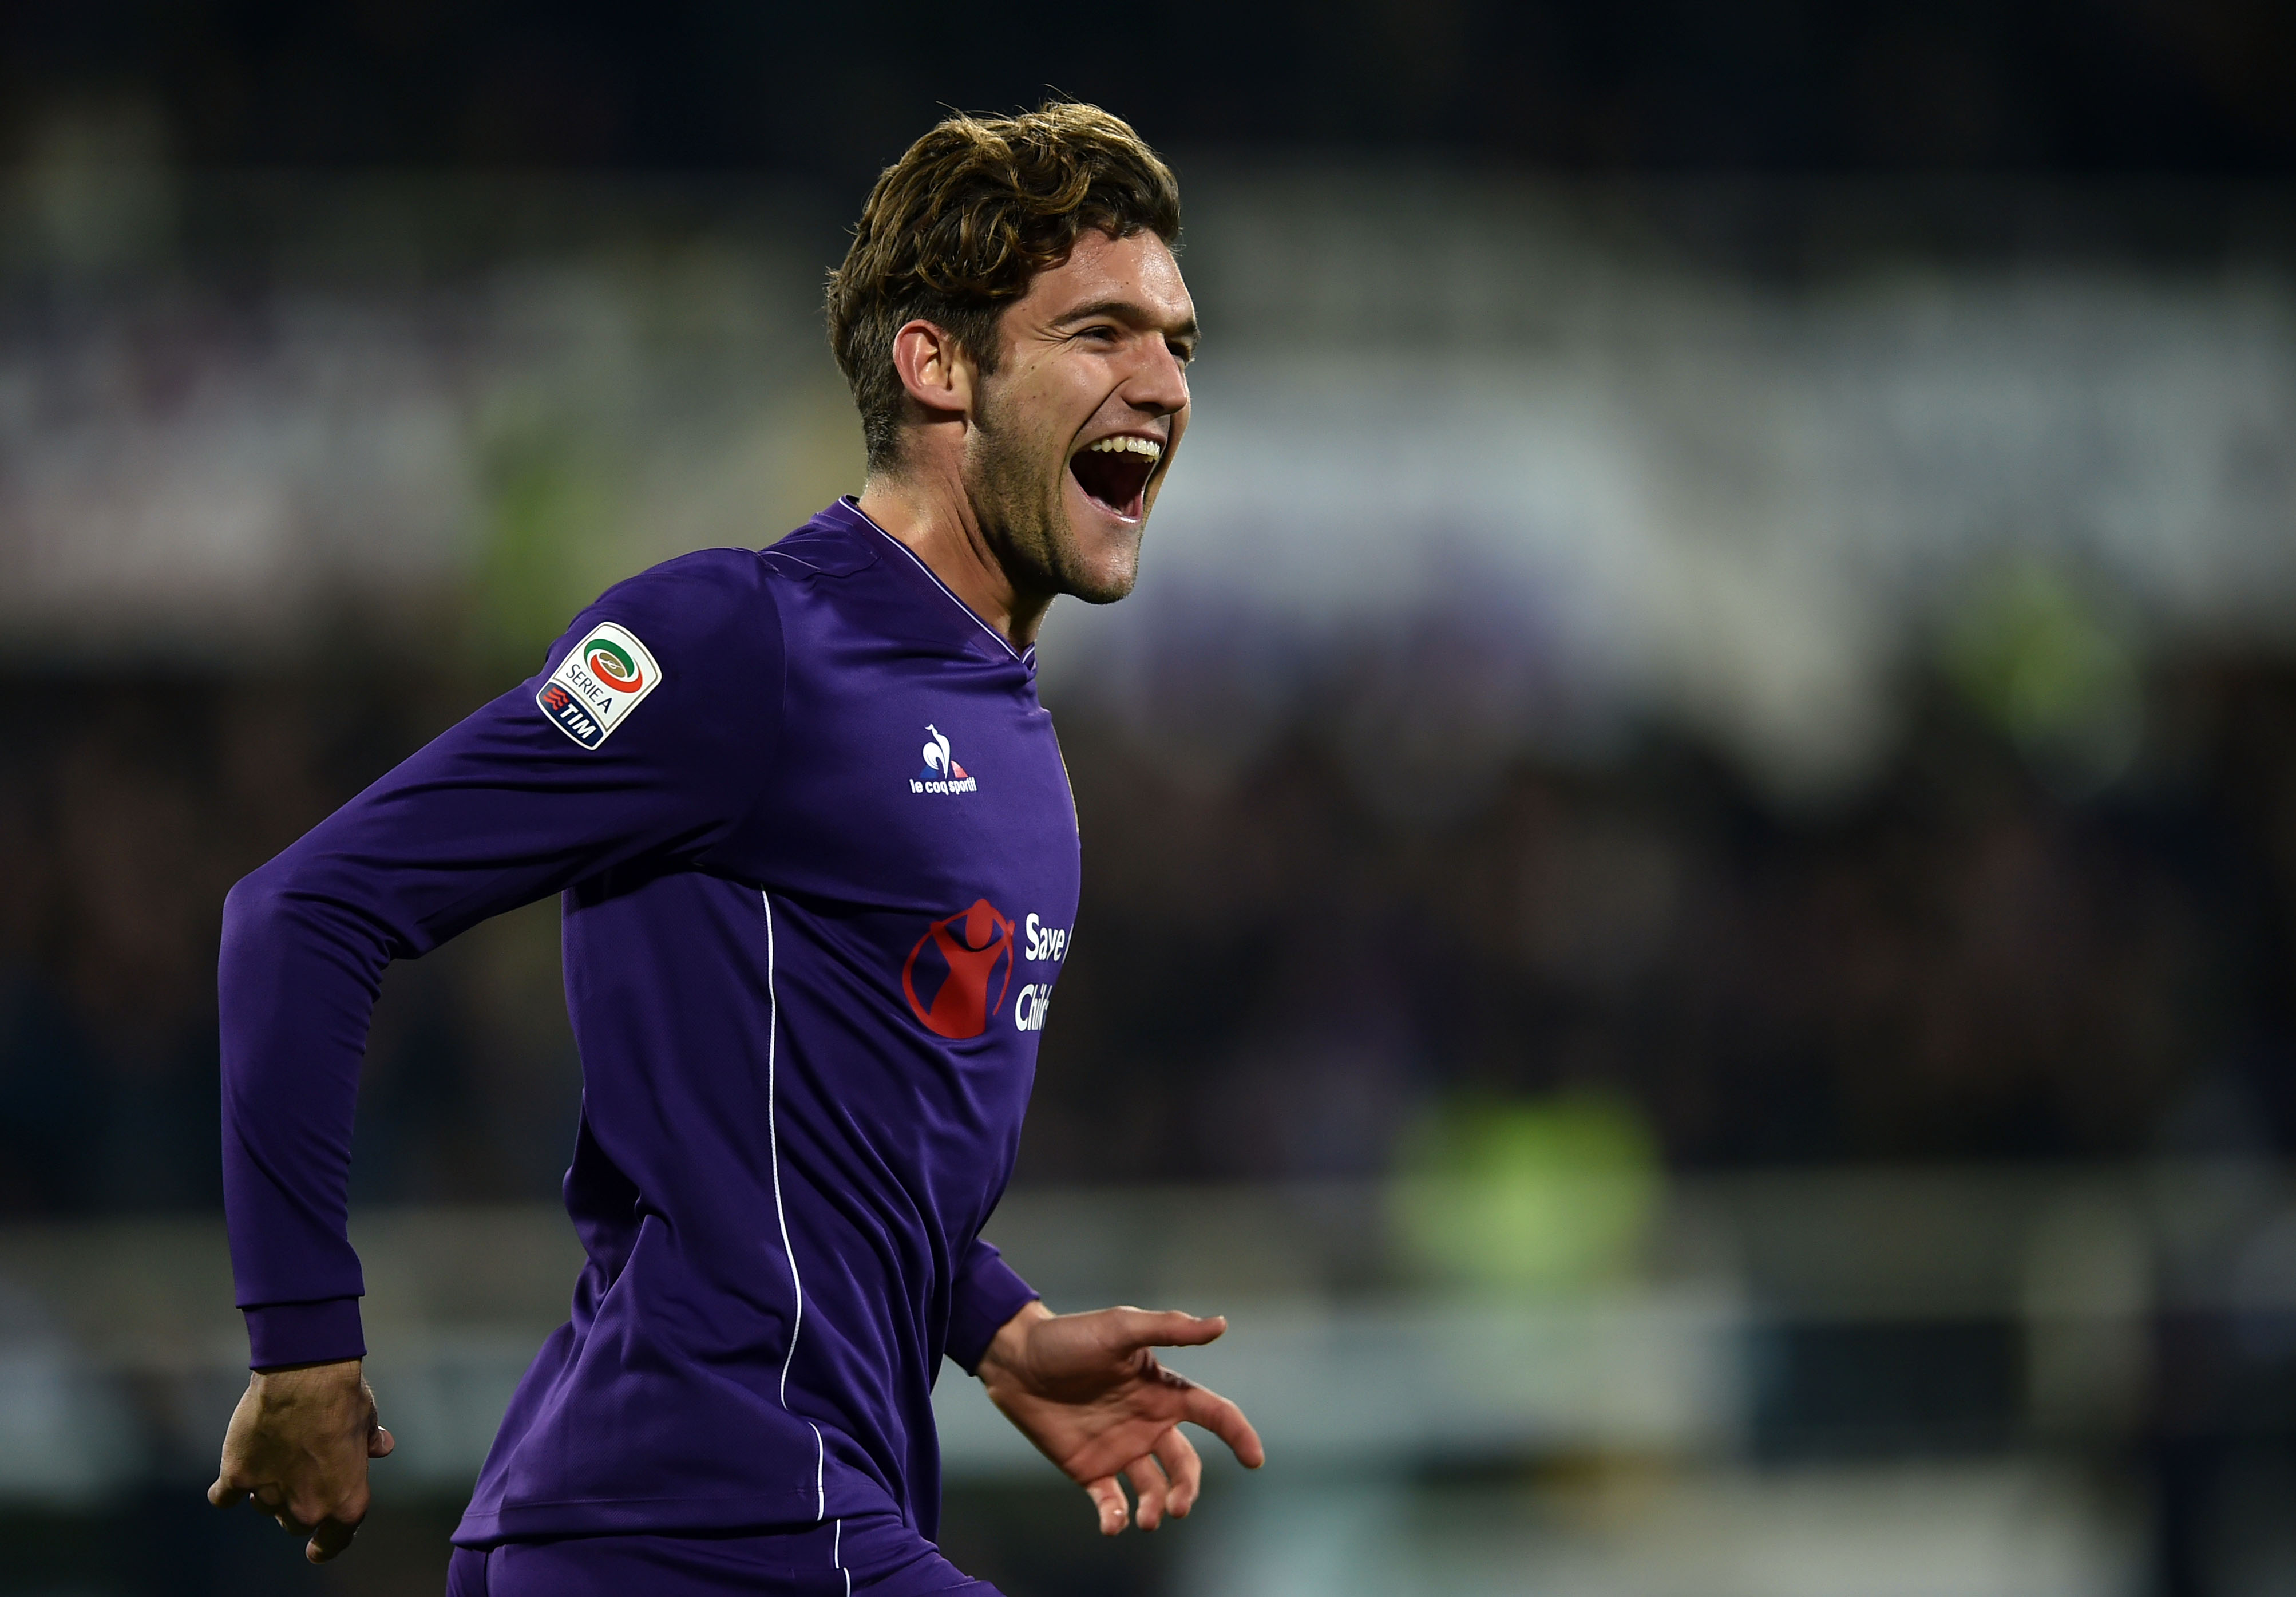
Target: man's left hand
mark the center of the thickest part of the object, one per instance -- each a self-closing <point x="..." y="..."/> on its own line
<point x="1088" y="1391"/>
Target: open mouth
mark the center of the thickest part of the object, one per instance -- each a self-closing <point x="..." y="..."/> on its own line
<point x="1114" y="472"/>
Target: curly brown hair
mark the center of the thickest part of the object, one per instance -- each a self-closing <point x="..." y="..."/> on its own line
<point x="955" y="230"/>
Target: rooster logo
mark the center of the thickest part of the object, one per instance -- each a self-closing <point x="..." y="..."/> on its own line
<point x="941" y="765"/>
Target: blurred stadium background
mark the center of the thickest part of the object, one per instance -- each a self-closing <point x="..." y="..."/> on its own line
<point x="1691" y="908"/>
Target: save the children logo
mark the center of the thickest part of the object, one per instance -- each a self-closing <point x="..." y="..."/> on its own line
<point x="941" y="772"/>
<point x="957" y="962"/>
<point x="601" y="680"/>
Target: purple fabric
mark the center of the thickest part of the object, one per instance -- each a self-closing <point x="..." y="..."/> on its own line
<point x="817" y="884"/>
<point x="287" y="1333"/>
<point x="871" y="1555"/>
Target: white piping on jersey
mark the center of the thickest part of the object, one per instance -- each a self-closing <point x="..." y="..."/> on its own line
<point x="836" y="1556"/>
<point x="773" y="1146"/>
<point x="937" y="582"/>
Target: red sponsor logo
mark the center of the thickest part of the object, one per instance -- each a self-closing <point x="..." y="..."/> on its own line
<point x="958" y="960"/>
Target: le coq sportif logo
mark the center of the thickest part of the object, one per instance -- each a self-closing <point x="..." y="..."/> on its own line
<point x="940" y="772"/>
<point x="957" y="975"/>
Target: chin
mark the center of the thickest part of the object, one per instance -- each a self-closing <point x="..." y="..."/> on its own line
<point x="1106" y="589"/>
<point x="1099" y="576"/>
<point x="1100" y="562"/>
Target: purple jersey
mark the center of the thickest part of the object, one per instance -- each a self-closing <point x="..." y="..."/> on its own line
<point x="819" y="863"/>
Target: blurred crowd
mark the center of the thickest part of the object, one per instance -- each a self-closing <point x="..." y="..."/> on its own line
<point x="1277" y="971"/>
<point x="1285" y="958"/>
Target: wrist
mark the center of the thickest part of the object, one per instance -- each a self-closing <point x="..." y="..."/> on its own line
<point x="1008" y="1350"/>
<point x="294" y="1382"/>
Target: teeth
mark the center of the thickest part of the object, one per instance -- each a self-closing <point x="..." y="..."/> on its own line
<point x="1128" y="446"/>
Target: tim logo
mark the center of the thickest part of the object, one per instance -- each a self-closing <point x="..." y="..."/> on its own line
<point x="965" y="963"/>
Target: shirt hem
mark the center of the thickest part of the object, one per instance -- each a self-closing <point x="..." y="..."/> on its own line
<point x="621" y="1516"/>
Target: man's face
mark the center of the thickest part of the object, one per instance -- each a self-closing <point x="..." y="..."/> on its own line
<point x="1074" y="432"/>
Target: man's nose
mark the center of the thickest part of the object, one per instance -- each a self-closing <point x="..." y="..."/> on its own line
<point x="1159" y="383"/>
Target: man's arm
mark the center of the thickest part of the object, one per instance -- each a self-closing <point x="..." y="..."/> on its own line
<point x="502" y="808"/>
<point x="1089" y="1393"/>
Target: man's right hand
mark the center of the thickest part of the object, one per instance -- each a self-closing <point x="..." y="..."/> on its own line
<point x="299" y="1443"/>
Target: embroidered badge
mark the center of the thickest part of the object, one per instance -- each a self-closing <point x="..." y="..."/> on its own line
<point x="941" y="772"/>
<point x="598" y="684"/>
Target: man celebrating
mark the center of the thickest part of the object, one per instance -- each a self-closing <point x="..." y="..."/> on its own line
<point x="819" y="864"/>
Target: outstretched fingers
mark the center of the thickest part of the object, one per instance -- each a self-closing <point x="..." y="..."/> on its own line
<point x="1165" y="1328"/>
<point x="1108" y="1498"/>
<point x="1183" y="1469"/>
<point x="1149" y="1489"/>
<point x="1200" y="1406"/>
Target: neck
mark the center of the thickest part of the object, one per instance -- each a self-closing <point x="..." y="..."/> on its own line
<point x="932" y="517"/>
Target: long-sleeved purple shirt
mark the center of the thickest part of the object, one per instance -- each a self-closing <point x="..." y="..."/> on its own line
<point x="819" y="862"/>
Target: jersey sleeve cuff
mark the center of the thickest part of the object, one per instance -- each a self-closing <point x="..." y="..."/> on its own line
<point x="990" y="1293"/>
<point x="304" y="1333"/>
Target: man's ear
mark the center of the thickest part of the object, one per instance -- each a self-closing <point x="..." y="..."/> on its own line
<point x="937" y="374"/>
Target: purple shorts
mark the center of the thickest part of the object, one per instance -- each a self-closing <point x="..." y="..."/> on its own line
<point x="875" y="1554"/>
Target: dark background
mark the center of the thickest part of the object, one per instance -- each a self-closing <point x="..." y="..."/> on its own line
<point x="2103" y="87"/>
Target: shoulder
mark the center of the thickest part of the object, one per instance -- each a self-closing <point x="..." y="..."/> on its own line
<point x="709" y="604"/>
<point x="705" y="586"/>
<point x="688" y="654"/>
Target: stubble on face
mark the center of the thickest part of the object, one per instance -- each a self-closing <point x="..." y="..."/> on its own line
<point x="1019" y="503"/>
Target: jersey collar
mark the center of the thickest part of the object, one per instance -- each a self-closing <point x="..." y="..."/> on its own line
<point x="1027" y="657"/>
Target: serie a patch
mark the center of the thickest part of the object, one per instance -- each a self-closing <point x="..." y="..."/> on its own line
<point x="600" y="682"/>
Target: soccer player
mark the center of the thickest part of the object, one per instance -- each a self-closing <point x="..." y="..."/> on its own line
<point x="818" y="862"/>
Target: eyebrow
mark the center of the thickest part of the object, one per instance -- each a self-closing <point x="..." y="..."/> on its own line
<point x="1128" y="311"/>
